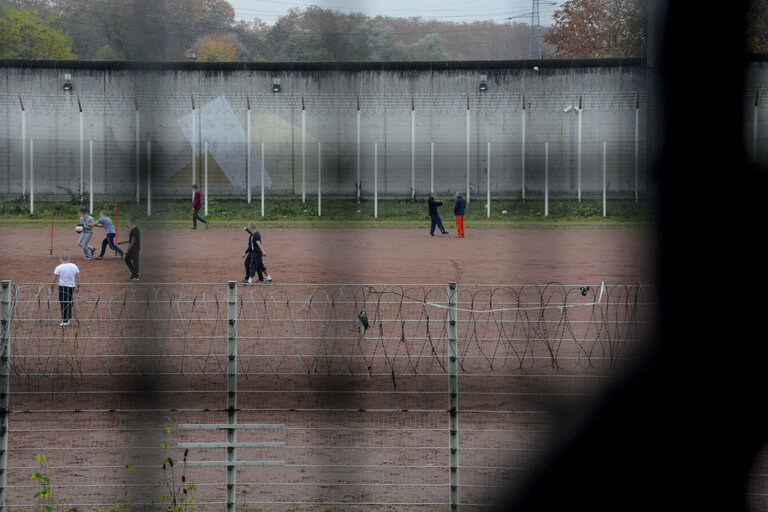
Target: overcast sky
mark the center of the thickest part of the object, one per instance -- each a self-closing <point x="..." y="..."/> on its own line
<point x="446" y="10"/>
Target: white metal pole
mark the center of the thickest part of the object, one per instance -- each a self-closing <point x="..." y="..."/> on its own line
<point x="262" y="179"/>
<point x="90" y="175"/>
<point x="453" y="398"/>
<point x="604" y="181"/>
<point x="578" y="154"/>
<point x="375" y="180"/>
<point x="488" y="198"/>
<point x="149" y="178"/>
<point x="522" y="186"/>
<point x="319" y="178"/>
<point x="248" y="154"/>
<point x="82" y="156"/>
<point x="31" y="175"/>
<point x="303" y="155"/>
<point x="546" y="179"/>
<point x="205" y="179"/>
<point x="432" y="167"/>
<point x="138" y="159"/>
<point x="194" y="146"/>
<point x="413" y="153"/>
<point x="637" y="152"/>
<point x="358" y="155"/>
<point x="23" y="153"/>
<point x="231" y="491"/>
<point x="468" y="121"/>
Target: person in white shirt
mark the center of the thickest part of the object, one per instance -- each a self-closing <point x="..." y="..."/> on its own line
<point x="66" y="273"/>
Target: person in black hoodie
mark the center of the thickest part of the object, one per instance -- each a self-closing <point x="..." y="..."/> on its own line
<point x="435" y="216"/>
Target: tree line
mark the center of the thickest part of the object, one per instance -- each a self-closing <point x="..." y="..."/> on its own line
<point x="208" y="30"/>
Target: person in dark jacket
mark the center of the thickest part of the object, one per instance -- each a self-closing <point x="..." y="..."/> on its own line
<point x="435" y="216"/>
<point x="458" y="211"/>
<point x="197" y="204"/>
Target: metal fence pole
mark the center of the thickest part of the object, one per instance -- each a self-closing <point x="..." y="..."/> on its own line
<point x="453" y="397"/>
<point x="357" y="186"/>
<point x="303" y="152"/>
<point x="637" y="147"/>
<point x="205" y="178"/>
<point x="432" y="167"/>
<point x="5" y="379"/>
<point x="138" y="154"/>
<point x="149" y="179"/>
<point x="319" y="179"/>
<point x="248" y="150"/>
<point x="23" y="149"/>
<point x="488" y="184"/>
<point x="604" y="181"/>
<point x="31" y="175"/>
<point x="578" y="152"/>
<point x="522" y="163"/>
<point x="375" y="180"/>
<point x="90" y="175"/>
<point x="82" y="156"/>
<point x="468" y="147"/>
<point x="262" y="179"/>
<point x="413" y="149"/>
<point x="194" y="143"/>
<point x="754" y="127"/>
<point x="546" y="179"/>
<point x="231" y="392"/>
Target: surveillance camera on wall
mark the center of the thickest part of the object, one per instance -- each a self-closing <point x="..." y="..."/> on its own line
<point x="67" y="83"/>
<point x="483" y="83"/>
<point x="568" y="109"/>
<point x="275" y="85"/>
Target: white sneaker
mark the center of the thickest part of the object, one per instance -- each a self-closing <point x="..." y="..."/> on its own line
<point x="64" y="324"/>
<point x="269" y="278"/>
<point x="249" y="281"/>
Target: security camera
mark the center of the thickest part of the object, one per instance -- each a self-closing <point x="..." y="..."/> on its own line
<point x="568" y="109"/>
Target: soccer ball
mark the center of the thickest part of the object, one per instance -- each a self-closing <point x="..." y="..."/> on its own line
<point x="79" y="228"/>
<point x="503" y="212"/>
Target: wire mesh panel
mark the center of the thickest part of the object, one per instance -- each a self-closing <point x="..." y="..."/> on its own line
<point x="342" y="391"/>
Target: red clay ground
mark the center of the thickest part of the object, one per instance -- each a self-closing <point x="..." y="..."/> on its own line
<point x="613" y="253"/>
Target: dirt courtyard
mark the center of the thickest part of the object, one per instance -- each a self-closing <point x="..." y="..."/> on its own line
<point x="170" y="253"/>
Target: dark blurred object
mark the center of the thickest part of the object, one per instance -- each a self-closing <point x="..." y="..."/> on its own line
<point x="681" y="429"/>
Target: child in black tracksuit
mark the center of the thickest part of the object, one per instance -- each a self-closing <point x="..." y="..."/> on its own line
<point x="254" y="263"/>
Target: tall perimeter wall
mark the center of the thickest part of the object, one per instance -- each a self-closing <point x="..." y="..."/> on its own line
<point x="410" y="110"/>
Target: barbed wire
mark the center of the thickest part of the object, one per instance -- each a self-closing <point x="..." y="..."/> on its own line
<point x="342" y="104"/>
<point x="323" y="330"/>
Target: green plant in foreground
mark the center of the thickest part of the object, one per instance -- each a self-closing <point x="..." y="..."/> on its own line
<point x="178" y="498"/>
<point x="42" y="497"/>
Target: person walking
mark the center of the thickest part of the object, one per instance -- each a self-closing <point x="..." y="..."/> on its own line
<point x="434" y="215"/>
<point x="197" y="204"/>
<point x="86" y="221"/>
<point x="106" y="223"/>
<point x="132" y="253"/>
<point x="249" y="254"/>
<point x="257" y="253"/>
<point x="458" y="211"/>
<point x="66" y="274"/>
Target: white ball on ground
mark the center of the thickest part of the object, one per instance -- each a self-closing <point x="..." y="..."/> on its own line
<point x="535" y="68"/>
<point x="79" y="228"/>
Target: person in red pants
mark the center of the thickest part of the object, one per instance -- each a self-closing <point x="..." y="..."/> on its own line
<point x="458" y="211"/>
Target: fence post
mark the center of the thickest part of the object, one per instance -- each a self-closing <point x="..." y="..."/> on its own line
<point x="432" y="167"/>
<point x="604" y="181"/>
<point x="205" y="178"/>
<point x="194" y="143"/>
<point x="31" y="175"/>
<point x="488" y="184"/>
<point x="23" y="149"/>
<point x="522" y="163"/>
<point x="453" y="397"/>
<point x="231" y="392"/>
<point x="5" y="376"/>
<point x="375" y="180"/>
<point x="303" y="152"/>
<point x="248" y="149"/>
<point x="578" y="150"/>
<point x="546" y="179"/>
<point x="90" y="175"/>
<point x="413" y="150"/>
<point x="149" y="178"/>
<point x="82" y="156"/>
<point x="319" y="178"/>
<point x="468" y="147"/>
<point x="262" y="179"/>
<point x="138" y="153"/>
<point x="637" y="147"/>
<point x="358" y="150"/>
